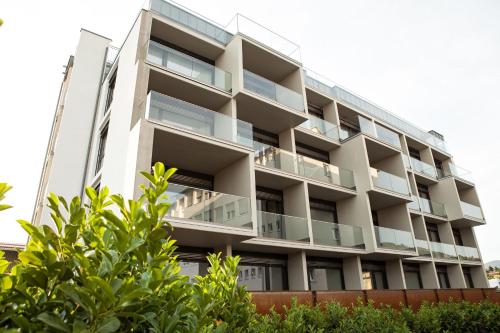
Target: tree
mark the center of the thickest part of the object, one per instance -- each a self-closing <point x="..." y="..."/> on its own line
<point x="110" y="266"/>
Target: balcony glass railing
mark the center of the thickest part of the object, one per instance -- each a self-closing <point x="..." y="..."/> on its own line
<point x="193" y="118"/>
<point x="423" y="248"/>
<point x="471" y="210"/>
<point x="262" y="35"/>
<point x="325" y="172"/>
<point x="388" y="136"/>
<point x="443" y="251"/>
<point x="414" y="205"/>
<point x="291" y="228"/>
<point x="191" y="203"/>
<point x="467" y="253"/>
<point x="423" y="168"/>
<point x="321" y="127"/>
<point x="334" y="234"/>
<point x="389" y="182"/>
<point x="188" y="66"/>
<point x="327" y="87"/>
<point x="458" y="172"/>
<point x="275" y="158"/>
<point x="432" y="207"/>
<point x="191" y="20"/>
<point x="375" y="130"/>
<point x="394" y="239"/>
<point x="271" y="90"/>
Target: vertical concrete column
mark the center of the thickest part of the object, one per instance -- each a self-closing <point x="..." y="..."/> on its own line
<point x="352" y="273"/>
<point x="330" y="113"/>
<point x="479" y="277"/>
<point x="456" y="276"/>
<point x="296" y="203"/>
<point x="395" y="274"/>
<point x="429" y="275"/>
<point x="297" y="271"/>
<point x="238" y="179"/>
<point x="140" y="155"/>
<point x="225" y="250"/>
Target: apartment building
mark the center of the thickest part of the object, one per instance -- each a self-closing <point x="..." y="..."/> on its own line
<point x="313" y="186"/>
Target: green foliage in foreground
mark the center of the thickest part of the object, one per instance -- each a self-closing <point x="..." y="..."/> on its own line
<point x="109" y="266"/>
<point x="442" y="317"/>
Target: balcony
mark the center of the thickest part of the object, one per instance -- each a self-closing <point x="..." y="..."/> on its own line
<point x="423" y="248"/>
<point x="284" y="227"/>
<point x="337" y="235"/>
<point x="324" y="172"/>
<point x="275" y="158"/>
<point x="191" y="21"/>
<point x="459" y="173"/>
<point x="389" y="182"/>
<point x="273" y="91"/>
<point x="394" y="239"/>
<point x="189" y="67"/>
<point x="414" y="204"/>
<point x="471" y="211"/>
<point x="195" y="119"/>
<point x="432" y="207"/>
<point x="194" y="204"/>
<point x="321" y="127"/>
<point x="466" y="253"/>
<point x="443" y="251"/>
<point x="423" y="168"/>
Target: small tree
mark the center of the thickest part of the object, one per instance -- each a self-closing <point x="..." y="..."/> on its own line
<point x="110" y="266"/>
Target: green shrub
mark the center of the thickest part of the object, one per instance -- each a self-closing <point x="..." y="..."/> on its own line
<point x="110" y="266"/>
<point x="367" y="318"/>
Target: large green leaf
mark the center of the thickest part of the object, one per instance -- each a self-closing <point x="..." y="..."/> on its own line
<point x="108" y="325"/>
<point x="53" y="321"/>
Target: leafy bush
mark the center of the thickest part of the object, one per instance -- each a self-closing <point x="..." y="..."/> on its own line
<point x="110" y="266"/>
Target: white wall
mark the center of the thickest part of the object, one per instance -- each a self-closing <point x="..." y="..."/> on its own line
<point x="72" y="142"/>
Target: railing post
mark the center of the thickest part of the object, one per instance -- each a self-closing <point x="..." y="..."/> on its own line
<point x="405" y="297"/>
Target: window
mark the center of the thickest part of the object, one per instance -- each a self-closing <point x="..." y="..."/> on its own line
<point x="325" y="275"/>
<point x="415" y="153"/>
<point x="315" y="111"/>
<point x="322" y="210"/>
<point x="269" y="200"/>
<point x="423" y="191"/>
<point x="263" y="272"/>
<point x="374" y="276"/>
<point x="193" y="261"/>
<point x="442" y="273"/>
<point x="375" y="218"/>
<point x="469" y="283"/>
<point x="230" y="211"/>
<point x="433" y="232"/>
<point x="311" y="152"/>
<point x="458" y="237"/>
<point x="102" y="146"/>
<point x="412" y="276"/>
<point x="439" y="168"/>
<point x="111" y="90"/>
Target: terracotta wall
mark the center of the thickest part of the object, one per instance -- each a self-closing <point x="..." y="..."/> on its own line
<point x="413" y="298"/>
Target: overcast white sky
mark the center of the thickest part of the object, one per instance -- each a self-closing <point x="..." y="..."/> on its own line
<point x="435" y="63"/>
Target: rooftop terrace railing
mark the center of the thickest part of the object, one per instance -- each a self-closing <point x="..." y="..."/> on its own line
<point x="262" y="35"/>
<point x="191" y="20"/>
<point x="327" y="87"/>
